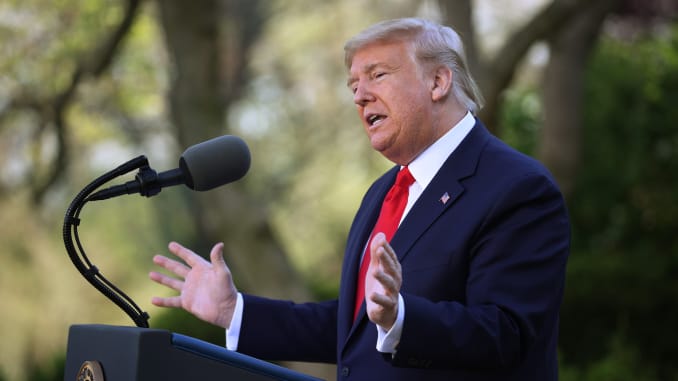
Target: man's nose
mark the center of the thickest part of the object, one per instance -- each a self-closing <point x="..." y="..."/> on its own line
<point x="362" y="95"/>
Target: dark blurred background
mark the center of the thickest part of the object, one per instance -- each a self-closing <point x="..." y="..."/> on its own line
<point x="590" y="88"/>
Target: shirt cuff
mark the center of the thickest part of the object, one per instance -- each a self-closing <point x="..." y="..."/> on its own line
<point x="387" y="341"/>
<point x="233" y="330"/>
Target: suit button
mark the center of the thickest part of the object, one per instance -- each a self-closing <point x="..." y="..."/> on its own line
<point x="345" y="371"/>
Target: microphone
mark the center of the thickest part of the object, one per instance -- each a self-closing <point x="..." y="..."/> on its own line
<point x="202" y="167"/>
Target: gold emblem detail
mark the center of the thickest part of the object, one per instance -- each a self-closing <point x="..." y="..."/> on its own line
<point x="90" y="371"/>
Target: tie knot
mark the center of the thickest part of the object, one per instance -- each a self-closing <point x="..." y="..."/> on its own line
<point x="404" y="178"/>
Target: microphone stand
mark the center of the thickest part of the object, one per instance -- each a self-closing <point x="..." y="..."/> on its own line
<point x="77" y="253"/>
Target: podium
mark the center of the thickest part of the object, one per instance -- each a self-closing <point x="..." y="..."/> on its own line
<point x="115" y="353"/>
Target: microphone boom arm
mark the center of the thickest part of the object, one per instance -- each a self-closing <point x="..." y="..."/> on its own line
<point x="76" y="251"/>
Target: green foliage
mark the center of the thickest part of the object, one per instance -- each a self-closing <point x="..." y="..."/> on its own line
<point x="620" y="363"/>
<point x="520" y="114"/>
<point x="41" y="46"/>
<point x="39" y="49"/>
<point x="623" y="274"/>
<point x="619" y="313"/>
<point x="53" y="370"/>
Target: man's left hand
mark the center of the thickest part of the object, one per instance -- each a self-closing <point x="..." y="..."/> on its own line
<point x="382" y="283"/>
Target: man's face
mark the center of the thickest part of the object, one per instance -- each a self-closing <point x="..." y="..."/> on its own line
<point x="393" y="97"/>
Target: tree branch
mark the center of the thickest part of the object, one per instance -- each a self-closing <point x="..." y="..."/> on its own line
<point x="500" y="70"/>
<point x="54" y="109"/>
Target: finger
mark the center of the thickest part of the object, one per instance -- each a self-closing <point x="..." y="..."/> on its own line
<point x="388" y="253"/>
<point x="377" y="244"/>
<point x="217" y="256"/>
<point x="385" y="269"/>
<point x="384" y="302"/>
<point x="174" y="301"/>
<point x="184" y="253"/>
<point x="379" y="239"/>
<point x="165" y="280"/>
<point x="388" y="283"/>
<point x="171" y="265"/>
<point x="388" y="250"/>
<point x="388" y="260"/>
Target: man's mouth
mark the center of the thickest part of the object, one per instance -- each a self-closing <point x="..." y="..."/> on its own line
<point x="375" y="119"/>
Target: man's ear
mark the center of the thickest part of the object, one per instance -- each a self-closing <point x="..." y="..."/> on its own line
<point x="442" y="83"/>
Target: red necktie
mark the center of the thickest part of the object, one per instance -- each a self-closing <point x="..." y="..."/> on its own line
<point x="389" y="217"/>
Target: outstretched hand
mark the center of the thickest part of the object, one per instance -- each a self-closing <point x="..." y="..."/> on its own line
<point x="382" y="283"/>
<point x="206" y="289"/>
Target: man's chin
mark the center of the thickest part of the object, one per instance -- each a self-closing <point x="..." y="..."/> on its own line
<point x="379" y="142"/>
<point x="381" y="148"/>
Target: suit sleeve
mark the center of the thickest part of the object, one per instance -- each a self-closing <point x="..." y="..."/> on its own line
<point x="277" y="330"/>
<point x="515" y="277"/>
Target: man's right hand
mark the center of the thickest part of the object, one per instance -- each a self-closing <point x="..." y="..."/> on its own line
<point x="206" y="289"/>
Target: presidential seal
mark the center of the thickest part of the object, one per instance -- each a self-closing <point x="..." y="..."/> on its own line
<point x="90" y="371"/>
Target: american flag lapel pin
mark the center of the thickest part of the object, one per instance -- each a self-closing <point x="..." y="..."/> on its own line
<point x="444" y="198"/>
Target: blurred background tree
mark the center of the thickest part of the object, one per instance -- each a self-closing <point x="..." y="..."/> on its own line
<point x="589" y="88"/>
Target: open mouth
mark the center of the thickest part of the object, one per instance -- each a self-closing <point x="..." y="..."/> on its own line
<point x="375" y="119"/>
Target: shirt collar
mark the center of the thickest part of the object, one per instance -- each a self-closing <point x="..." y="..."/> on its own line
<point x="427" y="164"/>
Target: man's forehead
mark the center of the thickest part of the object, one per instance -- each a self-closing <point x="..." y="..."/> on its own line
<point x="377" y="54"/>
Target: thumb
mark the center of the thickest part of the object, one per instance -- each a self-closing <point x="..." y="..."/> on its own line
<point x="217" y="255"/>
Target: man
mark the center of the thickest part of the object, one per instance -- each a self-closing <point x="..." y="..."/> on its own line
<point x="469" y="285"/>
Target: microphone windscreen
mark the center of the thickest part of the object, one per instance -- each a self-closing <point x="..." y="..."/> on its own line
<point x="215" y="162"/>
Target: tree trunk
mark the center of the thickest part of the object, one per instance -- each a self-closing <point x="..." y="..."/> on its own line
<point x="209" y="42"/>
<point x="495" y="75"/>
<point x="563" y="90"/>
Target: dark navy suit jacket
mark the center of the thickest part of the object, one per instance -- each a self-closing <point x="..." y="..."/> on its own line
<point x="483" y="254"/>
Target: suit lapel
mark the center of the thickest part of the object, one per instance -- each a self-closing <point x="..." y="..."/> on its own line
<point x="443" y="191"/>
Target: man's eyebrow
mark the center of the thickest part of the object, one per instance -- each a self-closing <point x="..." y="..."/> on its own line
<point x="366" y="69"/>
